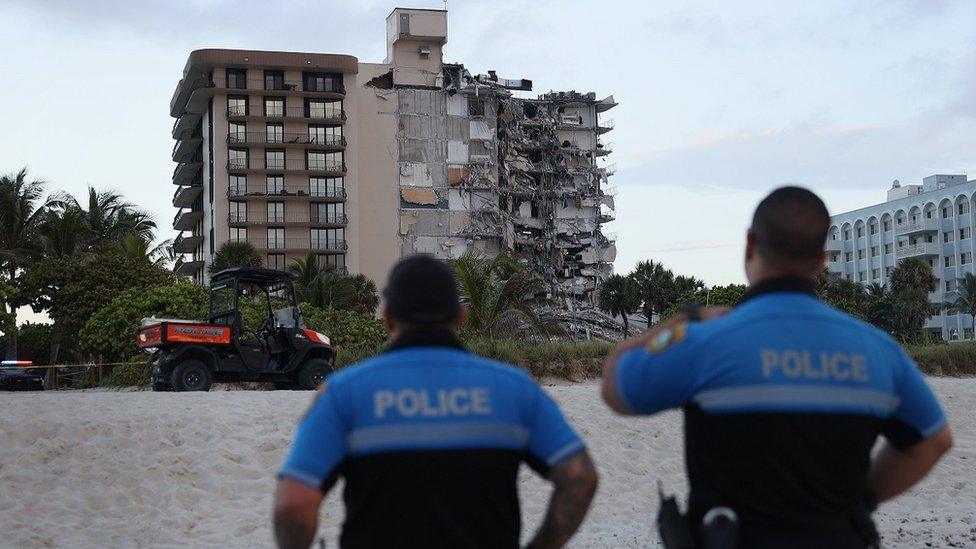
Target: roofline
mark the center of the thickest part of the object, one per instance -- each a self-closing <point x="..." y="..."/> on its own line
<point x="207" y="58"/>
<point x="414" y="9"/>
<point x="914" y="197"/>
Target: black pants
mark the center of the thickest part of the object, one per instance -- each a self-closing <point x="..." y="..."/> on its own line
<point x="837" y="538"/>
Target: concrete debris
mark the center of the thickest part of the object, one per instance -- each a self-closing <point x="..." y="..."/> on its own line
<point x="481" y="169"/>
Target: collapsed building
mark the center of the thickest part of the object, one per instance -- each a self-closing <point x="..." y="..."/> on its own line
<point x="362" y="163"/>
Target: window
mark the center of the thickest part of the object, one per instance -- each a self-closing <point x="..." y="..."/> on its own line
<point x="274" y="159"/>
<point x="950" y="285"/>
<point x="322" y="81"/>
<point x="887" y="272"/>
<point x="876" y="273"/>
<point x="328" y="213"/>
<point x="276" y="212"/>
<point x="966" y="258"/>
<point x="274" y="106"/>
<point x="929" y="238"/>
<point x="236" y="105"/>
<point x="874" y="228"/>
<point x="318" y="108"/>
<point x="275" y="132"/>
<point x="847" y="234"/>
<point x="874" y="251"/>
<point x="848" y="256"/>
<point x="860" y="232"/>
<point x="945" y="212"/>
<point x="237" y="79"/>
<point x="963" y="208"/>
<point x="860" y="253"/>
<point x="315" y="160"/>
<point x="887" y="248"/>
<point x="947" y="236"/>
<point x="949" y="261"/>
<point x="326" y="186"/>
<point x="238" y="234"/>
<point x="237" y="159"/>
<point x="328" y="239"/>
<point x="324" y="161"/>
<point x="887" y="225"/>
<point x="237" y="212"/>
<point x="337" y="262"/>
<point x="928" y="214"/>
<point x="276" y="184"/>
<point x="276" y="238"/>
<point x="237" y="185"/>
<point x="274" y="80"/>
<point x="276" y="261"/>
<point x="862" y="276"/>
<point x="328" y="135"/>
<point x="236" y="132"/>
<point x="965" y="233"/>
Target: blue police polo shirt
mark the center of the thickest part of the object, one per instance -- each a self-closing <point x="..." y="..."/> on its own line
<point x="783" y="398"/>
<point x="428" y="439"/>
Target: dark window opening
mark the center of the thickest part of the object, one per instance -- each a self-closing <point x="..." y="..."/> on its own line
<point x="322" y="81"/>
<point x="274" y="80"/>
<point x="237" y="79"/>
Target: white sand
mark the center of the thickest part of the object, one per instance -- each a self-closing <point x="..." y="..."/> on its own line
<point x="126" y="469"/>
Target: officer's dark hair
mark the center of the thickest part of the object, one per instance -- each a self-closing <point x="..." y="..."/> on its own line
<point x="422" y="293"/>
<point x="790" y="228"/>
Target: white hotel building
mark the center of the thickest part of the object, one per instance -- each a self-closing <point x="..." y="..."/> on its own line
<point x="933" y="221"/>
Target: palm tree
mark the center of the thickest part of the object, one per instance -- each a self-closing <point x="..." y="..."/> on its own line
<point x="363" y="297"/>
<point x="64" y="232"/>
<point x="876" y="290"/>
<point x="235" y="254"/>
<point x="308" y="285"/>
<point x="619" y="296"/>
<point x="911" y="281"/>
<point x="653" y="281"/>
<point x="499" y="292"/>
<point x="965" y="301"/>
<point x="22" y="209"/>
<point x="136" y="247"/>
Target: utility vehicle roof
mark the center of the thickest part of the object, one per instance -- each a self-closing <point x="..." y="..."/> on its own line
<point x="257" y="275"/>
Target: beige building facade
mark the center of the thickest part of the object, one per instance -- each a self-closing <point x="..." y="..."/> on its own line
<point x="362" y="163"/>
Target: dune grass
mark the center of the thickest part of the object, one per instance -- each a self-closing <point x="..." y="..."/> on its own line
<point x="945" y="359"/>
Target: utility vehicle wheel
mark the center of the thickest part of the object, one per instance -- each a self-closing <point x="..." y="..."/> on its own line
<point x="159" y="386"/>
<point x="312" y="373"/>
<point x="191" y="375"/>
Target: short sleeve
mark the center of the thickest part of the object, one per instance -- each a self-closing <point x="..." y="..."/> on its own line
<point x="551" y="439"/>
<point x="661" y="375"/>
<point x="918" y="415"/>
<point x="319" y="447"/>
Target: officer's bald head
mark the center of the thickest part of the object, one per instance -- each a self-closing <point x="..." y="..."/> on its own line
<point x="788" y="231"/>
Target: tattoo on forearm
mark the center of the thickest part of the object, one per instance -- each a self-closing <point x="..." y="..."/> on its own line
<point x="575" y="484"/>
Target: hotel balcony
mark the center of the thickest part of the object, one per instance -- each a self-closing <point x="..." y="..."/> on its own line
<point x="834" y="245"/>
<point x="185" y="172"/>
<point x="303" y="140"/>
<point x="915" y="227"/>
<point x="186" y="220"/>
<point x="299" y="245"/>
<point x="335" y="169"/>
<point x="288" y="218"/>
<point x="922" y="249"/>
<point x="187" y="268"/>
<point x="187" y="244"/>
<point x="303" y="193"/>
<point x="185" y="196"/>
<point x="195" y="95"/>
<point x="186" y="148"/>
<point x="330" y="115"/>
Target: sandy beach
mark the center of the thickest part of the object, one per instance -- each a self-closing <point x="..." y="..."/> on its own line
<point x="140" y="469"/>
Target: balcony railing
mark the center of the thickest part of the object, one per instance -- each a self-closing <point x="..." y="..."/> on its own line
<point x="286" y="138"/>
<point x="299" y="244"/>
<point x="265" y="218"/>
<point x="329" y="113"/>
<point x="917" y="226"/>
<point x="920" y="249"/>
<point x="296" y="164"/>
<point x="303" y="192"/>
<point x="270" y="85"/>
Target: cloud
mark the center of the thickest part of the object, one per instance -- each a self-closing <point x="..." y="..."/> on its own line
<point x="691" y="247"/>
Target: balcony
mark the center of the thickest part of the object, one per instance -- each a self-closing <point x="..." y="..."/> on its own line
<point x="288" y="218"/>
<point x="186" y="172"/>
<point x="917" y="226"/>
<point x="187" y="244"/>
<point x="185" y="149"/>
<point x="186" y="220"/>
<point x="922" y="249"/>
<point x="330" y="115"/>
<point x="185" y="196"/>
<point x="299" y="245"/>
<point x="194" y="96"/>
<point x="321" y="195"/>
<point x="185" y="124"/>
<point x="306" y="141"/>
<point x="288" y="165"/>
<point x="834" y="245"/>
<point x="187" y="268"/>
<point x="603" y="149"/>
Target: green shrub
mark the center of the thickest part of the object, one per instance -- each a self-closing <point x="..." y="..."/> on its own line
<point x="110" y="334"/>
<point x="129" y="375"/>
<point x="347" y="329"/>
<point x="952" y="359"/>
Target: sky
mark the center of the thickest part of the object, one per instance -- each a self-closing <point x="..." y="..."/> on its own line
<point x="719" y="102"/>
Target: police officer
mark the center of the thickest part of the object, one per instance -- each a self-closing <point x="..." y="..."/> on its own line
<point x="429" y="438"/>
<point x="785" y="396"/>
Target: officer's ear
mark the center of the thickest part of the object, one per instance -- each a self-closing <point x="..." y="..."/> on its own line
<point x="750" y="245"/>
<point x="461" y="317"/>
<point x="388" y="321"/>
